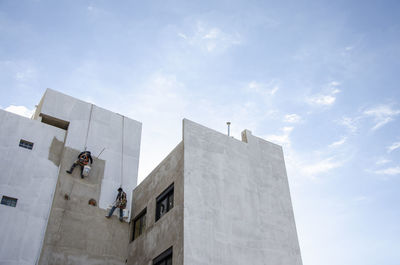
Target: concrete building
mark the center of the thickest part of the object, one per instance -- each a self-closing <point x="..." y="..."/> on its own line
<point x="212" y="200"/>
<point x="51" y="221"/>
<point x="215" y="200"/>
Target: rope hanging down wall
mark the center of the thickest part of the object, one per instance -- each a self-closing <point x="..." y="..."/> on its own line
<point x="122" y="142"/>
<point x="90" y="121"/>
<point x="122" y="149"/>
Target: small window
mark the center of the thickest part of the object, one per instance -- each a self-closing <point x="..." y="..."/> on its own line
<point x="164" y="258"/>
<point x="165" y="202"/>
<point x="25" y="144"/>
<point x="9" y="201"/>
<point x="139" y="224"/>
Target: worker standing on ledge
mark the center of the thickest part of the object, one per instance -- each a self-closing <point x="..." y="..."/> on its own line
<point x="120" y="202"/>
<point x="83" y="160"/>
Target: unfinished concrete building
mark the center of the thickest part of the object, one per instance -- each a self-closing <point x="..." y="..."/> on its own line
<point x="46" y="215"/>
<point x="215" y="200"/>
<point x="212" y="200"/>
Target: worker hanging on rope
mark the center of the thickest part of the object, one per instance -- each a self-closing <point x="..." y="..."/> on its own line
<point x="83" y="161"/>
<point x="120" y="202"/>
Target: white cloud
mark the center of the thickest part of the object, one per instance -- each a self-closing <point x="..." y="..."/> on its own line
<point x="325" y="99"/>
<point x="339" y="142"/>
<point x="322" y="166"/>
<point x="382" y="122"/>
<point x="311" y="165"/>
<point x="350" y="123"/>
<point x="393" y="147"/>
<point x="382" y="115"/>
<point x="273" y="91"/>
<point x="292" y="118"/>
<point x="213" y="33"/>
<point x="281" y="139"/>
<point x="382" y="161"/>
<point x="211" y="39"/>
<point x="20" y="110"/>
<point x="264" y="89"/>
<point x="388" y="171"/>
<point x="183" y="36"/>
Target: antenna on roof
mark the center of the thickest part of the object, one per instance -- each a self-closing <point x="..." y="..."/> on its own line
<point x="229" y="127"/>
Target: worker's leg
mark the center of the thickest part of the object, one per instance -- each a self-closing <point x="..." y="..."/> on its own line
<point x="81" y="171"/>
<point x="72" y="167"/>
<point x="111" y="212"/>
<point x="121" y="214"/>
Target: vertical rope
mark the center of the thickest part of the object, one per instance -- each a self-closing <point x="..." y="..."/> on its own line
<point x="122" y="155"/>
<point x="90" y="121"/>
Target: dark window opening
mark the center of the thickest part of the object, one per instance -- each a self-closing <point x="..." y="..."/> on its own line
<point x="54" y="121"/>
<point x="139" y="224"/>
<point x="165" y="202"/>
<point x="9" y="201"/>
<point x="164" y="258"/>
<point x="25" y="144"/>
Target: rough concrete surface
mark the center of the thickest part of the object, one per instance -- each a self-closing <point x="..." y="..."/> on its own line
<point x="95" y="129"/>
<point x="78" y="233"/>
<point x="237" y="206"/>
<point x="168" y="230"/>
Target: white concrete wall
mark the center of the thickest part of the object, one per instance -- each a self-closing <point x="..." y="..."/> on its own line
<point x="29" y="176"/>
<point x="119" y="135"/>
<point x="237" y="206"/>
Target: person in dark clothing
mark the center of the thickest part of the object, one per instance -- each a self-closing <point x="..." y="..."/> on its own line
<point x="83" y="160"/>
<point x="120" y="202"/>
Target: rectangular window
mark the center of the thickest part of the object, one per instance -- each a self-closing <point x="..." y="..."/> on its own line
<point x="25" y="144"/>
<point x="139" y="224"/>
<point x="164" y="258"/>
<point x="9" y="201"/>
<point x="165" y="202"/>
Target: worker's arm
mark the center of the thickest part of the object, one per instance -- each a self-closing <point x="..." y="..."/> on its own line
<point x="91" y="160"/>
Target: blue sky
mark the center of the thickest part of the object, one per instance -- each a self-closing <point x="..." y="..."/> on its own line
<point x="318" y="77"/>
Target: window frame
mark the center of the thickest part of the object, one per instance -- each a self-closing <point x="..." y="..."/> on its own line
<point x="9" y="201"/>
<point x="163" y="257"/>
<point x="167" y="194"/>
<point x="142" y="228"/>
<point x="26" y="144"/>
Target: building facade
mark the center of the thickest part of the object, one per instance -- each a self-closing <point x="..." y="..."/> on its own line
<point x="52" y="221"/>
<point x="213" y="200"/>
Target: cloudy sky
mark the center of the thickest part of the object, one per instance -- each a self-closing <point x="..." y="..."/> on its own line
<point x="320" y="78"/>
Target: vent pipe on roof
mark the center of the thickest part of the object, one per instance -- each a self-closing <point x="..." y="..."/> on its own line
<point x="229" y="127"/>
